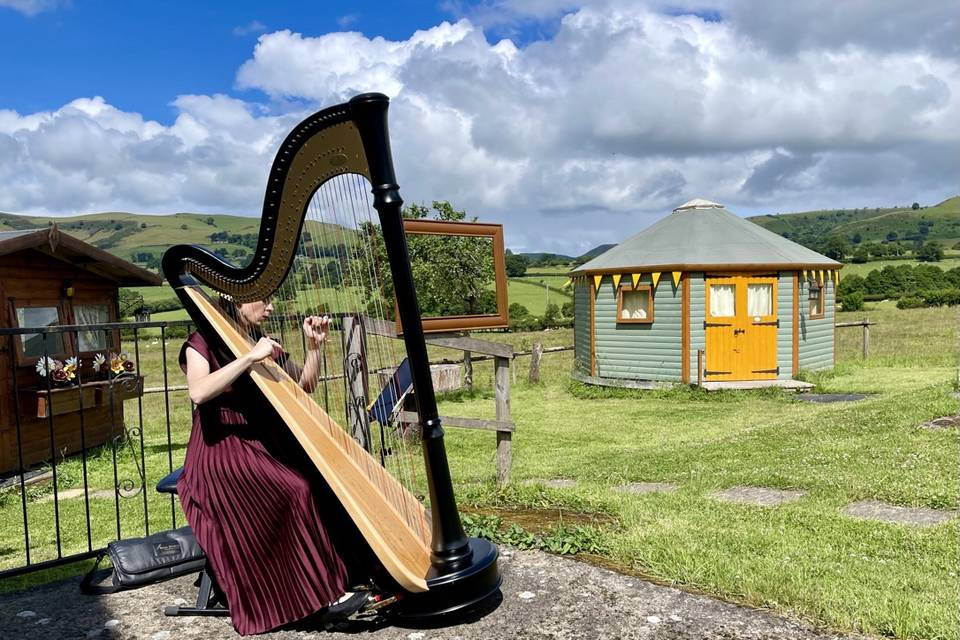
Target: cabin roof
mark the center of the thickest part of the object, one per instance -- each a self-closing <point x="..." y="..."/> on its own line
<point x="61" y="246"/>
<point x="700" y="234"/>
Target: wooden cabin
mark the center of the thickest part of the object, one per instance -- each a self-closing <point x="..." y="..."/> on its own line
<point x="756" y="306"/>
<point x="48" y="278"/>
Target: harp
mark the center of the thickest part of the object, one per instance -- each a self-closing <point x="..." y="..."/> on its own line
<point x="429" y="557"/>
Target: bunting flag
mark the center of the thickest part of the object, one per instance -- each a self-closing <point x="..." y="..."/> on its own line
<point x="821" y="277"/>
<point x="837" y="272"/>
<point x="566" y="285"/>
<point x="636" y="278"/>
<point x="616" y="281"/>
<point x="676" y="278"/>
<point x="596" y="282"/>
<point x="655" y="276"/>
<point x="805" y="275"/>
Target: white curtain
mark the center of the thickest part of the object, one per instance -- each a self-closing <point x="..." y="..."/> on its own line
<point x="760" y="300"/>
<point x="635" y="305"/>
<point x="723" y="300"/>
<point x="91" y="314"/>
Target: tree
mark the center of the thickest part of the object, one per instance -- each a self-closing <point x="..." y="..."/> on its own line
<point x="892" y="236"/>
<point x="856" y="238"/>
<point x="915" y="206"/>
<point x="516" y="264"/>
<point x="860" y="256"/>
<point x="930" y="252"/>
<point x="836" y="248"/>
<point x="210" y="221"/>
<point x="451" y="274"/>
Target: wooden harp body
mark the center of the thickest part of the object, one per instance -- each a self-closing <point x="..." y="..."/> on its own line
<point x="428" y="557"/>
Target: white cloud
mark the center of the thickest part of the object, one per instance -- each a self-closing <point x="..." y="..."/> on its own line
<point x="31" y="7"/>
<point x="254" y="26"/>
<point x="582" y="138"/>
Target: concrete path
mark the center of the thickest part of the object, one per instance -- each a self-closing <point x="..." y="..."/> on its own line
<point x="544" y="597"/>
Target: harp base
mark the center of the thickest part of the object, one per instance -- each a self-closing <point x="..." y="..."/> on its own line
<point x="455" y="592"/>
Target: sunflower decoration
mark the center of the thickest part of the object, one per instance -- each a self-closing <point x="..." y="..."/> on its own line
<point x="70" y="366"/>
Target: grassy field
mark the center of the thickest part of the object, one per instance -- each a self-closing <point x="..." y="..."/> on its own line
<point x="849" y="269"/>
<point x="804" y="558"/>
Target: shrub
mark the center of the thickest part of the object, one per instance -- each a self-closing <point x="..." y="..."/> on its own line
<point x="910" y="302"/>
<point x="851" y="301"/>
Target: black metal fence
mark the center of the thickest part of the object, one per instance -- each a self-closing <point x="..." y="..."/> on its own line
<point x="65" y="436"/>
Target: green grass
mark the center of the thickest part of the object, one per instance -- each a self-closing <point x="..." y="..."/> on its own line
<point x="804" y="558"/>
<point x="863" y="269"/>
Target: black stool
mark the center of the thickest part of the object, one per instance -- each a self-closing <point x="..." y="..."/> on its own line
<point x="208" y="603"/>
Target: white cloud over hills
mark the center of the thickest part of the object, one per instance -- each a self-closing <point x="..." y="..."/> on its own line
<point x="582" y="138"/>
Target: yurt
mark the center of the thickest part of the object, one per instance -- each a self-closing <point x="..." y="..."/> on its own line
<point x="704" y="296"/>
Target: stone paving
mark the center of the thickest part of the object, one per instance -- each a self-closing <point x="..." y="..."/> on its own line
<point x="648" y="487"/>
<point x="873" y="510"/>
<point x="760" y="496"/>
<point x="825" y="398"/>
<point x="543" y="597"/>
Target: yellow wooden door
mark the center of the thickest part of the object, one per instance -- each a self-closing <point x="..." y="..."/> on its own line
<point x="758" y="342"/>
<point x="741" y="328"/>
<point x="722" y="329"/>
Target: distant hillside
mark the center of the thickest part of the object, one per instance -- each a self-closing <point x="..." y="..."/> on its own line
<point x="143" y="238"/>
<point x="905" y="224"/>
<point x="545" y="258"/>
<point x="593" y="253"/>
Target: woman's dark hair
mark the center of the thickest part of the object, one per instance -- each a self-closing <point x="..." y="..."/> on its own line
<point x="230" y="309"/>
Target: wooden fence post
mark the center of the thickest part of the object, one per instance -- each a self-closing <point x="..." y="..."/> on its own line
<point x="504" y="438"/>
<point x="467" y="371"/>
<point x="535" y="355"/>
<point x="866" y="338"/>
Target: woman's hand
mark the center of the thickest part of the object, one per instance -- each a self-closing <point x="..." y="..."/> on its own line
<point x="265" y="348"/>
<point x="315" y="330"/>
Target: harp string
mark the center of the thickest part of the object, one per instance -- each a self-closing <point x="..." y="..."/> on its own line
<point x="352" y="286"/>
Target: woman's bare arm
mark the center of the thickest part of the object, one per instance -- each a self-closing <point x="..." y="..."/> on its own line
<point x="202" y="385"/>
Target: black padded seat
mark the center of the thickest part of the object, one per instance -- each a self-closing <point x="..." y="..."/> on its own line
<point x="169" y="482"/>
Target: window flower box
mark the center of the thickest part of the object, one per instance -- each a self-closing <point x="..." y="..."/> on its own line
<point x="44" y="403"/>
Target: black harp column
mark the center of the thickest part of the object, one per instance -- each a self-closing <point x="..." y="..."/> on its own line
<point x="450" y="548"/>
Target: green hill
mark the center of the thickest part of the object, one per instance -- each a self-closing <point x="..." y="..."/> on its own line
<point x="940" y="222"/>
<point x="137" y="237"/>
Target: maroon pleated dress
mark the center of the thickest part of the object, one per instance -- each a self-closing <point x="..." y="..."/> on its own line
<point x="260" y="515"/>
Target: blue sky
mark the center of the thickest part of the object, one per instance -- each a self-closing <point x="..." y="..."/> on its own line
<point x="141" y="55"/>
<point x="573" y="122"/>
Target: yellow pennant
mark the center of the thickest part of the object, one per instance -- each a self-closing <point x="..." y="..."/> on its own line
<point x="596" y="282"/>
<point x="636" y="278"/>
<point x="676" y="278"/>
<point x="837" y="275"/>
<point x="566" y="285"/>
<point x="805" y="275"/>
<point x="616" y="281"/>
<point x="821" y="277"/>
<point x="655" y="276"/>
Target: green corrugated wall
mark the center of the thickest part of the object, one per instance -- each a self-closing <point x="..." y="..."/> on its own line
<point x="581" y="326"/>
<point x="698" y="313"/>
<point x="785" y="332"/>
<point x="816" y="336"/>
<point x="639" y="351"/>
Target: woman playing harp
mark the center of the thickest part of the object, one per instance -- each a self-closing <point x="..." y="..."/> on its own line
<point x="258" y="508"/>
<point x="428" y="560"/>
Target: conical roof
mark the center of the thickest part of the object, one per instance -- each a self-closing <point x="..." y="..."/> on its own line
<point x="703" y="235"/>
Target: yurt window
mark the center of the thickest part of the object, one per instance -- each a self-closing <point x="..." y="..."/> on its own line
<point x="723" y="300"/>
<point x="635" y="304"/>
<point x="32" y="344"/>
<point x="816" y="300"/>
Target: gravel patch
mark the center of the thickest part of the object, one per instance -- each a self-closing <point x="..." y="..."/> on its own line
<point x="543" y="597"/>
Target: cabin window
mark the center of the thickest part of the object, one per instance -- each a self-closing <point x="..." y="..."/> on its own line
<point x="816" y="300"/>
<point x="723" y="300"/>
<point x="635" y="304"/>
<point x="91" y="314"/>
<point x="759" y="300"/>
<point x="32" y="344"/>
